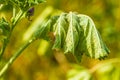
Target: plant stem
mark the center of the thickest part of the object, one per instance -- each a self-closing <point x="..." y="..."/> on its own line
<point x="13" y="58"/>
<point x="14" y="12"/>
<point x="3" y="48"/>
<point x="15" y="19"/>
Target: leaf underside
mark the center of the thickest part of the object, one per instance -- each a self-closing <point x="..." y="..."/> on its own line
<point x="76" y="34"/>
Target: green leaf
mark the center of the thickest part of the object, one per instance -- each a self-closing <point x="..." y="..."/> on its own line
<point x="44" y="29"/>
<point x="91" y="43"/>
<point x="59" y="30"/>
<point x="76" y="34"/>
<point x="72" y="37"/>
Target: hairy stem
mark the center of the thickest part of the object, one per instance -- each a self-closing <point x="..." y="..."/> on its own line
<point x="13" y="58"/>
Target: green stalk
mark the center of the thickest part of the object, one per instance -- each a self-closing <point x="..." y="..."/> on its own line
<point x="3" y="48"/>
<point x="16" y="18"/>
<point x="14" y="12"/>
<point x="13" y="58"/>
<point x="14" y="21"/>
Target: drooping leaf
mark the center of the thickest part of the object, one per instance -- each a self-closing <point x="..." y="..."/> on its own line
<point x="37" y="23"/>
<point x="72" y="37"/>
<point x="59" y="30"/>
<point x="92" y="43"/>
<point x="76" y="34"/>
<point x="43" y="30"/>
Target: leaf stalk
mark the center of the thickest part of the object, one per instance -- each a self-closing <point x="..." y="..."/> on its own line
<point x="13" y="58"/>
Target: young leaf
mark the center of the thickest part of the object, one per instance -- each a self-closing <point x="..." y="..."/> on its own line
<point x="92" y="43"/>
<point x="59" y="30"/>
<point x="43" y="30"/>
<point x="75" y="34"/>
<point x="72" y="37"/>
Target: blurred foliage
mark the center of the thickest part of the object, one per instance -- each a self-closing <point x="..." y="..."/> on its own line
<point x="79" y="73"/>
<point x="34" y="65"/>
<point x="108" y="72"/>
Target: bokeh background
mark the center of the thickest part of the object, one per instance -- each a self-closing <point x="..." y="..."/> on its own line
<point x="38" y="61"/>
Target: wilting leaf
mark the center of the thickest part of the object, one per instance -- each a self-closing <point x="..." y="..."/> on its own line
<point x="59" y="30"/>
<point x="45" y="28"/>
<point x="76" y="34"/>
<point x="37" y="23"/>
<point x="92" y="43"/>
<point x="72" y="37"/>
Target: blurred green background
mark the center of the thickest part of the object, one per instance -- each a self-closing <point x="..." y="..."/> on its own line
<point x="38" y="61"/>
